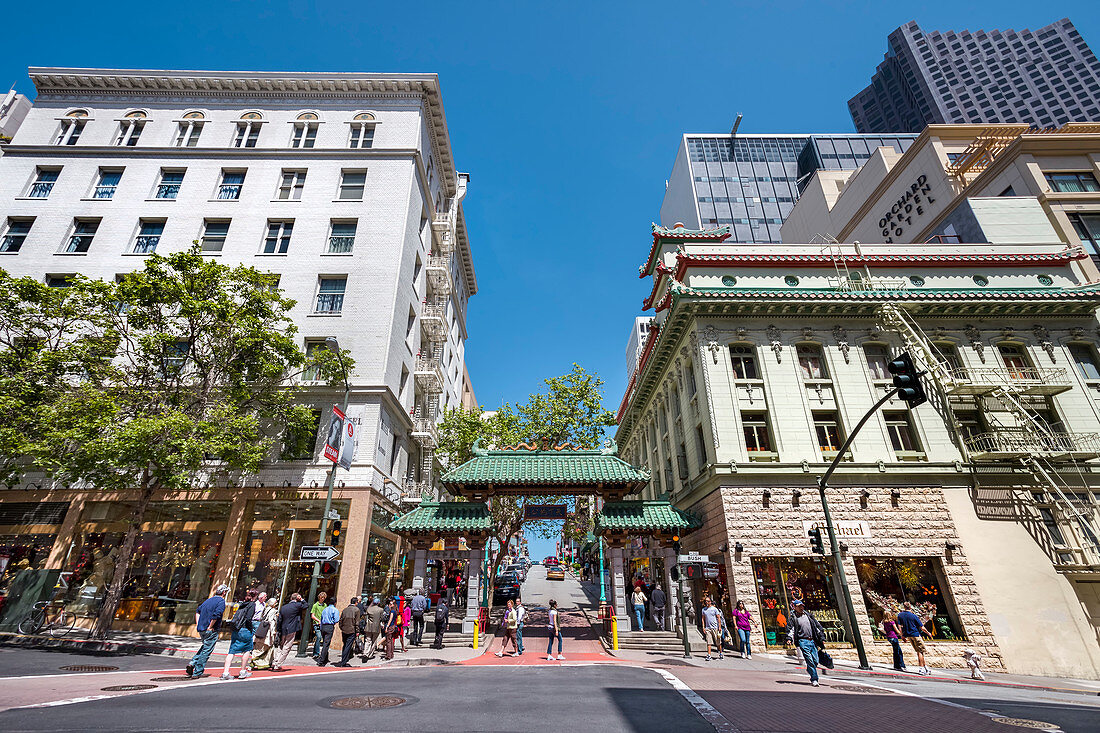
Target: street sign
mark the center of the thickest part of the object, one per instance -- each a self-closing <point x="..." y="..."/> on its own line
<point x="333" y="515"/>
<point x="314" y="553"/>
<point x="694" y="557"/>
<point x="544" y="511"/>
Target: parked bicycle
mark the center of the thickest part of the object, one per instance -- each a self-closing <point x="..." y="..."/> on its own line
<point x="49" y="617"/>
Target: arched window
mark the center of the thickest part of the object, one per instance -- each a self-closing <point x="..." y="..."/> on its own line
<point x="1015" y="360"/>
<point x="137" y="114"/>
<point x="248" y="130"/>
<point x="305" y="130"/>
<point x="877" y="357"/>
<point x="362" y="131"/>
<point x="130" y="128"/>
<point x="190" y="129"/>
<point x="71" y="127"/>
<point x="811" y="362"/>
<point x="77" y="113"/>
<point x="743" y="360"/>
<point x="195" y="115"/>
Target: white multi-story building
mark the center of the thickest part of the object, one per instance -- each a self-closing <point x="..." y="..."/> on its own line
<point x="343" y="186"/>
<point x="635" y="343"/>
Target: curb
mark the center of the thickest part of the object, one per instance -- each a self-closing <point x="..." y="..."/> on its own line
<point x="99" y="646"/>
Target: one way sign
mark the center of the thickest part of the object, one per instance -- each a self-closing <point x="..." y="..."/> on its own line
<point x="318" y="553"/>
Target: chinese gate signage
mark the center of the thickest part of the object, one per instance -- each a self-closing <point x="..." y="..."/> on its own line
<point x="544" y="511"/>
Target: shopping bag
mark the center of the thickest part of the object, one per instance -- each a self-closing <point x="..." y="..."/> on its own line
<point x="824" y="659"/>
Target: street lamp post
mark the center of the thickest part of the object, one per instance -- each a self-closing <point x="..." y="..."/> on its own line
<point x="334" y="346"/>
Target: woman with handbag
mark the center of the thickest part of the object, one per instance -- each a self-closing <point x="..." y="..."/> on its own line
<point x="510" y="625"/>
<point x="266" y="631"/>
<point x="242" y="626"/>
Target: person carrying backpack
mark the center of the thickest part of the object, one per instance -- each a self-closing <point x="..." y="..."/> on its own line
<point x="442" y="617"/>
<point x="242" y="626"/>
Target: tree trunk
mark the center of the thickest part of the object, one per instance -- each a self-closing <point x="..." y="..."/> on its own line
<point x="122" y="566"/>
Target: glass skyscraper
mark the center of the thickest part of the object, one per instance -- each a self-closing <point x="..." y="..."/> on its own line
<point x="751" y="182"/>
<point x="1045" y="78"/>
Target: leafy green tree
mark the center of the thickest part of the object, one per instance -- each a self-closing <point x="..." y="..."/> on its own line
<point x="200" y="385"/>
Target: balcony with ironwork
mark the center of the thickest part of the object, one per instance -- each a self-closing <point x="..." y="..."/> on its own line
<point x="425" y="432"/>
<point x="443" y="226"/>
<point x="428" y="374"/>
<point x="433" y="321"/>
<point x="439" y="274"/>
<point x="1021" y="380"/>
<point x="1015" y="443"/>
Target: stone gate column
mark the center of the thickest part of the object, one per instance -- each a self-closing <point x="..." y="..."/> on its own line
<point x="618" y="588"/>
<point x="420" y="567"/>
<point x="473" y="590"/>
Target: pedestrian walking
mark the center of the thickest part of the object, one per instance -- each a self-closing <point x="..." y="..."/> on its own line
<point x="742" y="619"/>
<point x="913" y="629"/>
<point x="893" y="635"/>
<point x="404" y="618"/>
<point x="242" y="625"/>
<point x="521" y="615"/>
<point x="315" y="614"/>
<point x="349" y="627"/>
<point x="372" y="627"/>
<point x="555" y="633"/>
<point x="419" y="605"/>
<point x="509" y="625"/>
<point x="657" y="601"/>
<point x="290" y="626"/>
<point x="389" y="626"/>
<point x="805" y="631"/>
<point x="329" y="618"/>
<point x="267" y="630"/>
<point x="442" y="618"/>
<point x="208" y="621"/>
<point x="638" y="598"/>
<point x="712" y="628"/>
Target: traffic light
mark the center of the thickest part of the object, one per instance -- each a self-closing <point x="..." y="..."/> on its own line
<point x="329" y="567"/>
<point x="907" y="380"/>
<point x="674" y="573"/>
<point x="337" y="525"/>
<point x="816" y="544"/>
<point x="676" y="543"/>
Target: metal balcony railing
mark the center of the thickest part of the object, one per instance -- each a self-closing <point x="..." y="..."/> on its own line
<point x="433" y="320"/>
<point x="867" y="283"/>
<point x="439" y="273"/>
<point x="1016" y="443"/>
<point x="425" y="432"/>
<point x="1025" y="380"/>
<point x="428" y="374"/>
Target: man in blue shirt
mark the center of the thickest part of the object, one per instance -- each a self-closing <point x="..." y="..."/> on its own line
<point x="329" y="618"/>
<point x="913" y="630"/>
<point x="208" y="621"/>
<point x="418" y="604"/>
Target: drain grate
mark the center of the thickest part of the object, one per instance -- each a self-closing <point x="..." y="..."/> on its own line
<point x="126" y="688"/>
<point x="367" y="702"/>
<point x="88" y="668"/>
<point x="1025" y="723"/>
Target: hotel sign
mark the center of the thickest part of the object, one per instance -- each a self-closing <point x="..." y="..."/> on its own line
<point x="910" y="204"/>
<point x="844" y="528"/>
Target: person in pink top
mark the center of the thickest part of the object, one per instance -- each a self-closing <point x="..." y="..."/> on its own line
<point x="405" y="620"/>
<point x="743" y="619"/>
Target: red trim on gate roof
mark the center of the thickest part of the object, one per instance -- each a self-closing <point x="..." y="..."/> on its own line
<point x="1021" y="259"/>
<point x="658" y="271"/>
<point x="719" y="234"/>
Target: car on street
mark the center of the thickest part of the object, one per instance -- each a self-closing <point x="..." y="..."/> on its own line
<point x="506" y="588"/>
<point x="555" y="572"/>
<point x="519" y="569"/>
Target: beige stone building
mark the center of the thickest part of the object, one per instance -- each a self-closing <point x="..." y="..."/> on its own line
<point x="978" y="507"/>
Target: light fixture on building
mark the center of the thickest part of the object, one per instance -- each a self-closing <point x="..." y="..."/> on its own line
<point x="895" y="497"/>
<point x="843" y="546"/>
<point x="724" y="547"/>
<point x="767" y="497"/>
<point x="738" y="548"/>
<point x="794" y="497"/>
<point x="951" y="546"/>
<point x="863" y="498"/>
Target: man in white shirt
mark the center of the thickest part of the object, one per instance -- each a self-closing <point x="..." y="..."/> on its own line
<point x="521" y="614"/>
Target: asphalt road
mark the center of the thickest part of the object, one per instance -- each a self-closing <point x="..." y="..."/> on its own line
<point x="607" y="699"/>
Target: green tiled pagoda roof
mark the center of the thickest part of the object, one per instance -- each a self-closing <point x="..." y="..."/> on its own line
<point x="644" y="516"/>
<point x="449" y="516"/>
<point x="545" y="468"/>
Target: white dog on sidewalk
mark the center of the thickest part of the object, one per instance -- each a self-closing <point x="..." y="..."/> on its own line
<point x="974" y="662"/>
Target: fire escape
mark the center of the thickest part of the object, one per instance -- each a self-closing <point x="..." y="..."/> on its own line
<point x="428" y="370"/>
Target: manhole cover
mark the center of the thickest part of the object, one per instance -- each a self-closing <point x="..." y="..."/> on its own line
<point x="1025" y="723"/>
<point x="367" y="702"/>
<point x="127" y="688"/>
<point x="177" y="678"/>
<point x="88" y="668"/>
<point x="854" y="688"/>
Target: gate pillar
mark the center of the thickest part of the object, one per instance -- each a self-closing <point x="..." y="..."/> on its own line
<point x="473" y="590"/>
<point x="420" y="567"/>
<point x="618" y="588"/>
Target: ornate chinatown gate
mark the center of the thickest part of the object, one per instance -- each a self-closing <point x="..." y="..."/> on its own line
<point x="544" y="471"/>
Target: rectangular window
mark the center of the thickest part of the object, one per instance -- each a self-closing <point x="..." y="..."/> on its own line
<point x="811" y="363"/>
<point x="743" y="359"/>
<point x="291" y="185"/>
<point x="1081" y="182"/>
<point x="42" y="186"/>
<point x="214" y="233"/>
<point x="701" y="446"/>
<point x="757" y="437"/>
<point x="174" y="358"/>
<point x="877" y="359"/>
<point x="299" y="445"/>
<point x="230" y="187"/>
<point x="69" y="132"/>
<point x="169" y="186"/>
<point x="916" y="580"/>
<point x="106" y="184"/>
<point x="304" y="136"/>
<point x="1084" y="356"/>
<point x="277" y="241"/>
<point x="827" y="427"/>
<point x="148" y="237"/>
<point x="352" y="184"/>
<point x="313" y="346"/>
<point x="901" y="432"/>
<point x="81" y="239"/>
<point x="330" y="294"/>
<point x="1088" y="230"/>
<point x="689" y="369"/>
<point x="59" y="281"/>
<point x="247" y="134"/>
<point x="362" y="135"/>
<point x="15" y="234"/>
<point x="342" y="238"/>
<point x="129" y="132"/>
<point x="188" y="134"/>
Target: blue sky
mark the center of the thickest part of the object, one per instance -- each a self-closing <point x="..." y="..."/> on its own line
<point x="566" y="116"/>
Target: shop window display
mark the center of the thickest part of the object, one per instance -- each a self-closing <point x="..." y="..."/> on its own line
<point x="887" y="583"/>
<point x="380" y="557"/>
<point x="782" y="581"/>
<point x="22" y="552"/>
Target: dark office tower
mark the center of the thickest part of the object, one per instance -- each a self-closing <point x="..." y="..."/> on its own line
<point x="1044" y="77"/>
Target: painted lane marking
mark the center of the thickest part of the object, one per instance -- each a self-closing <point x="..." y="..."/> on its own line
<point x="704" y="708"/>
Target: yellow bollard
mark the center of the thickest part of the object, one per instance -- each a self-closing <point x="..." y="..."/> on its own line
<point x="614" y="633"/>
<point x="476" y="625"/>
